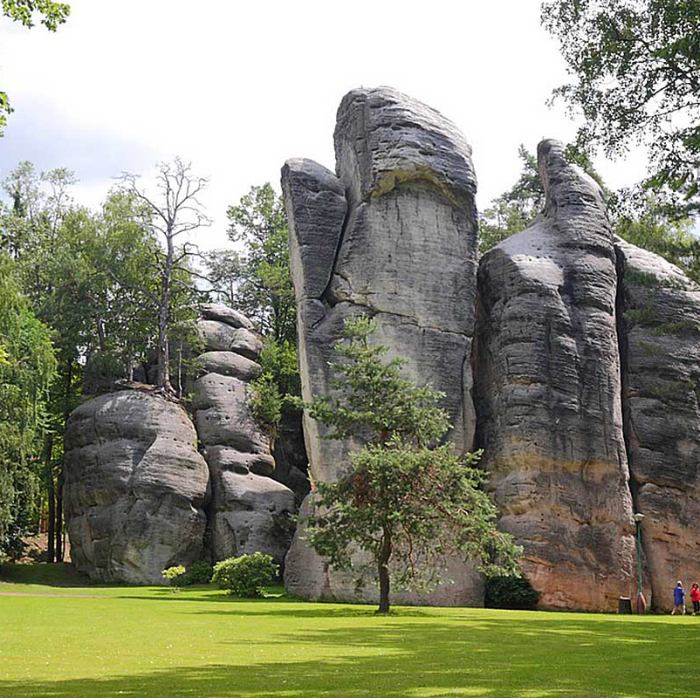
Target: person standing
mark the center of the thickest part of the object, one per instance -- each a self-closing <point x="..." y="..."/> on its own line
<point x="695" y="597"/>
<point x="678" y="599"/>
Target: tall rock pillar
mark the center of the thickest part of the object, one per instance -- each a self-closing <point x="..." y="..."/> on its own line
<point x="549" y="395"/>
<point x="393" y="235"/>
<point x="660" y="329"/>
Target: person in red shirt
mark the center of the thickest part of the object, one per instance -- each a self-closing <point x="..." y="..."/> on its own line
<point x="695" y="597"/>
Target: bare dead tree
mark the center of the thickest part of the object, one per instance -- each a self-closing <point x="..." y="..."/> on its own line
<point x="175" y="212"/>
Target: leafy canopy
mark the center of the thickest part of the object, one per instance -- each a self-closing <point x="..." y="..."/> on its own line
<point x="636" y="78"/>
<point x="257" y="280"/>
<point x="23" y="11"/>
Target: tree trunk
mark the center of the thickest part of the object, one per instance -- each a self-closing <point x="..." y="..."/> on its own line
<point x="50" y="496"/>
<point x="59" y="485"/>
<point x="163" y="319"/>
<point x="59" y="516"/>
<point x="384" y="581"/>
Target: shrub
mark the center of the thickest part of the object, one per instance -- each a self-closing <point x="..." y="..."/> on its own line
<point x="173" y="574"/>
<point x="511" y="593"/>
<point x="265" y="403"/>
<point x="246" y="575"/>
<point x="198" y="572"/>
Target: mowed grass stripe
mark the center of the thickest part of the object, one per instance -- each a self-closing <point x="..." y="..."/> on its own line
<point x="131" y="641"/>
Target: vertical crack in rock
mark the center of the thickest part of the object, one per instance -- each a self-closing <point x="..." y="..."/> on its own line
<point x="660" y="338"/>
<point x="549" y="396"/>
<point x="393" y="235"/>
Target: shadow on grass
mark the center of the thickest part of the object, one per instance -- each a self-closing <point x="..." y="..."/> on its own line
<point x="63" y="575"/>
<point x="476" y="655"/>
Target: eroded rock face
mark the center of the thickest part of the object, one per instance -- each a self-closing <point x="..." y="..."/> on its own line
<point x="393" y="236"/>
<point x="135" y="487"/>
<point x="549" y="395"/>
<point x="248" y="511"/>
<point x="661" y="382"/>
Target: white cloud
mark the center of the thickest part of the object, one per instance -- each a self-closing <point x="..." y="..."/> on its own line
<point x="239" y="87"/>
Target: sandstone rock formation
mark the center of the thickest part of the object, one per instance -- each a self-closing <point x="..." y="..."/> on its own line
<point x="135" y="487"/>
<point x="660" y="329"/>
<point x="549" y="395"/>
<point x="248" y="511"/>
<point x="369" y="240"/>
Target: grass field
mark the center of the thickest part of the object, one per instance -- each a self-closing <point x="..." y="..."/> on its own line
<point x="134" y="641"/>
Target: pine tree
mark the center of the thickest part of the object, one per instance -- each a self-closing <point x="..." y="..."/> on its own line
<point x="406" y="500"/>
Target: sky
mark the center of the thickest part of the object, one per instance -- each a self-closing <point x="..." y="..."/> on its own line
<point x="238" y="87"/>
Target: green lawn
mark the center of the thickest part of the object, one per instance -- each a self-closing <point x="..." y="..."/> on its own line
<point x="130" y="641"/>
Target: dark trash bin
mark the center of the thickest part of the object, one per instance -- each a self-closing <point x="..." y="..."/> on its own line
<point x="624" y="606"/>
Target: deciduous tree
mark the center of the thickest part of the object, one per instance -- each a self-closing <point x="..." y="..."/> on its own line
<point x="636" y="78"/>
<point x="172" y="215"/>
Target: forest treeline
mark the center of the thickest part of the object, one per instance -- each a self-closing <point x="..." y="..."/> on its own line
<point x="90" y="296"/>
<point x="81" y="306"/>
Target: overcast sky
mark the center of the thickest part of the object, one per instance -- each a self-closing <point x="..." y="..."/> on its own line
<point x="238" y="87"/>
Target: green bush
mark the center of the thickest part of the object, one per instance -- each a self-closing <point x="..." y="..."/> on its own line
<point x="511" y="593"/>
<point x="265" y="403"/>
<point x="246" y="575"/>
<point x="198" y="572"/>
<point x="173" y="574"/>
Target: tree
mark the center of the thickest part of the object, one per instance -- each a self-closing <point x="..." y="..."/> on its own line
<point x="264" y="289"/>
<point x="405" y="500"/>
<point x="52" y="13"/>
<point x="179" y="212"/>
<point x="516" y="208"/>
<point x="27" y="365"/>
<point x="636" y="79"/>
<point x="64" y="261"/>
<point x="648" y="226"/>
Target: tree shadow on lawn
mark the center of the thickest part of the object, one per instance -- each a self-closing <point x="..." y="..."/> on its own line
<point x="476" y="655"/>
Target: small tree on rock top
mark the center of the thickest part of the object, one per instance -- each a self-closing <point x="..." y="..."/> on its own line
<point x="406" y="501"/>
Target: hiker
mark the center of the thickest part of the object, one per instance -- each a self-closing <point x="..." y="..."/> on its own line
<point x="678" y="599"/>
<point x="695" y="597"/>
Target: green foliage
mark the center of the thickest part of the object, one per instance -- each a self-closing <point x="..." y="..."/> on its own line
<point x="260" y="275"/>
<point x="511" y="593"/>
<point x="406" y="501"/>
<point x="173" y="574"/>
<point x="515" y="209"/>
<point x="650" y="228"/>
<point x="88" y="277"/>
<point x="26" y="371"/>
<point x="265" y="403"/>
<point x="644" y="316"/>
<point x="245" y="576"/>
<point x="635" y="68"/>
<point x="197" y="573"/>
<point x="52" y="15"/>
<point x="280" y="360"/>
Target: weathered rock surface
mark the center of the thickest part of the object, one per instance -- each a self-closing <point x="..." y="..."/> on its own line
<point x="230" y="365"/>
<point x="660" y="327"/>
<point x="219" y="336"/>
<point x="248" y="511"/>
<point x="135" y="487"/>
<point x="227" y="315"/>
<point x="549" y="395"/>
<point x="371" y="240"/>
